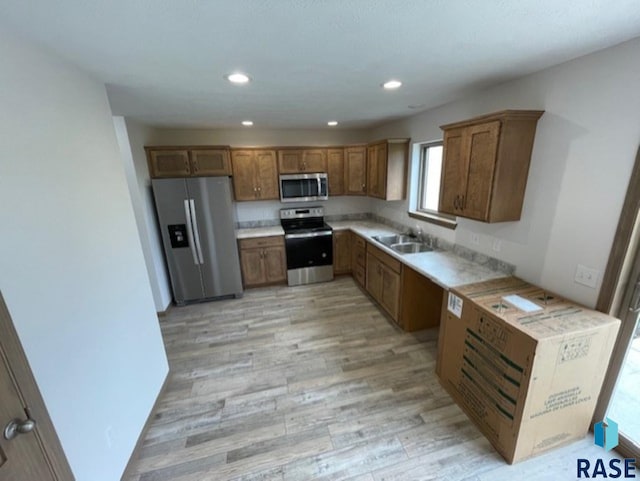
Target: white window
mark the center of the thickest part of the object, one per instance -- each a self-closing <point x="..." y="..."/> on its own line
<point x="429" y="181"/>
<point x="425" y="185"/>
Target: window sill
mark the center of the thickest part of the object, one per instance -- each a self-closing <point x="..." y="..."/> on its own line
<point x="441" y="220"/>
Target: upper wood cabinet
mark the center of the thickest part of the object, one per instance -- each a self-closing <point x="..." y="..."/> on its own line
<point x="486" y="164"/>
<point x="387" y="169"/>
<point x="335" y="171"/>
<point x="210" y="162"/>
<point x="187" y="162"/>
<point x="255" y="174"/>
<point x="355" y="170"/>
<point x="292" y="161"/>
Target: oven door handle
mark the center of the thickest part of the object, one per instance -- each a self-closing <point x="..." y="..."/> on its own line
<point x="309" y="234"/>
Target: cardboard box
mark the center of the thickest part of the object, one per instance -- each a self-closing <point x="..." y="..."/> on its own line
<point x="528" y="369"/>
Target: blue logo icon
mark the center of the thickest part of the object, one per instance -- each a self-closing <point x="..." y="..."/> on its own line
<point x="606" y="434"/>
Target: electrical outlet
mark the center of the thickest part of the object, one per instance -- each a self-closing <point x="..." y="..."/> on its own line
<point x="587" y="276"/>
<point x="497" y="245"/>
<point x="475" y="239"/>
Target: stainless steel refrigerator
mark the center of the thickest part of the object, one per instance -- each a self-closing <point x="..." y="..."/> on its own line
<point x="197" y="224"/>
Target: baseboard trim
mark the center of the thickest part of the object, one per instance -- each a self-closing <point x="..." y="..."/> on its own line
<point x="134" y="454"/>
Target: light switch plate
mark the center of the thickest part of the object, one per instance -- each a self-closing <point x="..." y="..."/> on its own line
<point x="587" y="276"/>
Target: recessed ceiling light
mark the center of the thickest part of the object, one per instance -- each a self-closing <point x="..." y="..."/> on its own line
<point x="247" y="123"/>
<point x="332" y="123"/>
<point x="237" y="78"/>
<point x="391" y="84"/>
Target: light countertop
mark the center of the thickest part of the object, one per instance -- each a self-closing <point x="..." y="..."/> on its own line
<point x="443" y="267"/>
<point x="259" y="232"/>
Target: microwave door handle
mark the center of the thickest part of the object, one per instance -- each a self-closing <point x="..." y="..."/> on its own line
<point x="192" y="244"/>
<point x="319" y="194"/>
<point x="196" y="231"/>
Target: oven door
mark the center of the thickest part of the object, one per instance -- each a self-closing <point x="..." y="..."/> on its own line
<point x="309" y="257"/>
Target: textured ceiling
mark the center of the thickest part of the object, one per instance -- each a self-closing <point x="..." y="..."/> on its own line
<point x="310" y="60"/>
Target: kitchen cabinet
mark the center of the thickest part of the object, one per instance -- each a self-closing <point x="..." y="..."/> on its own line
<point x="166" y="162"/>
<point x="255" y="174"/>
<point x="383" y="274"/>
<point x="355" y="168"/>
<point x="293" y="161"/>
<point x="335" y="171"/>
<point x="341" y="252"/>
<point x="387" y="169"/>
<point x="263" y="260"/>
<point x="359" y="258"/>
<point x="486" y="164"/>
<point x="421" y="301"/>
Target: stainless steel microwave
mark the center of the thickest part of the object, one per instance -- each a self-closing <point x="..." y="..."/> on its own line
<point x="304" y="187"/>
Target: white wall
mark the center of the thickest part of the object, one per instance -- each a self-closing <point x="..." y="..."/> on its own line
<point x="584" y="150"/>
<point x="71" y="265"/>
<point x="132" y="137"/>
<point x="256" y="137"/>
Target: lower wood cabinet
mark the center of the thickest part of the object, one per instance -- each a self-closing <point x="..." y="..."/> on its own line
<point x="421" y="301"/>
<point x="341" y="252"/>
<point x="384" y="280"/>
<point x="263" y="260"/>
<point x="359" y="259"/>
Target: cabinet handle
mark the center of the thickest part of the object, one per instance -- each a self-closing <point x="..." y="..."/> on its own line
<point x="455" y="202"/>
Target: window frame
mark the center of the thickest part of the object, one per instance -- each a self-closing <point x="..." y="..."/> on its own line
<point x="417" y="188"/>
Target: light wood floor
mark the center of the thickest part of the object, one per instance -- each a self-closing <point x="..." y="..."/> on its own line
<point x="314" y="383"/>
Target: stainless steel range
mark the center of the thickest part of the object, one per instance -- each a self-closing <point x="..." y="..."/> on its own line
<point x="309" y="245"/>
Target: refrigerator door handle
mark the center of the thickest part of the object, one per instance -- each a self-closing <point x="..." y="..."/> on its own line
<point x="196" y="231"/>
<point x="192" y="243"/>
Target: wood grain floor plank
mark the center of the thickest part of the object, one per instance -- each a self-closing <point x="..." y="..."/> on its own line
<point x="312" y="383"/>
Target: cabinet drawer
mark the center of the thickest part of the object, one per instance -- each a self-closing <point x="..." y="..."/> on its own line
<point x="359" y="256"/>
<point x="386" y="259"/>
<point x="254" y="242"/>
<point x="359" y="242"/>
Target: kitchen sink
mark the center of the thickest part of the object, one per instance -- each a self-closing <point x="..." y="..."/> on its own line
<point x="410" y="247"/>
<point x="402" y="243"/>
<point x="390" y="240"/>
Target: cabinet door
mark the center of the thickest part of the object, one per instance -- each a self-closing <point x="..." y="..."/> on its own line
<point x="390" y="292"/>
<point x="210" y="162"/>
<point x="358" y="259"/>
<point x="169" y="163"/>
<point x="454" y="172"/>
<point x="289" y="161"/>
<point x="275" y="264"/>
<point x="482" y="144"/>
<point x="314" y="160"/>
<point x="374" y="277"/>
<point x="356" y="170"/>
<point x="335" y="171"/>
<point x="380" y="172"/>
<point x="372" y="170"/>
<point x="244" y="174"/>
<point x="341" y="252"/>
<point x="267" y="175"/>
<point x="253" y="271"/>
